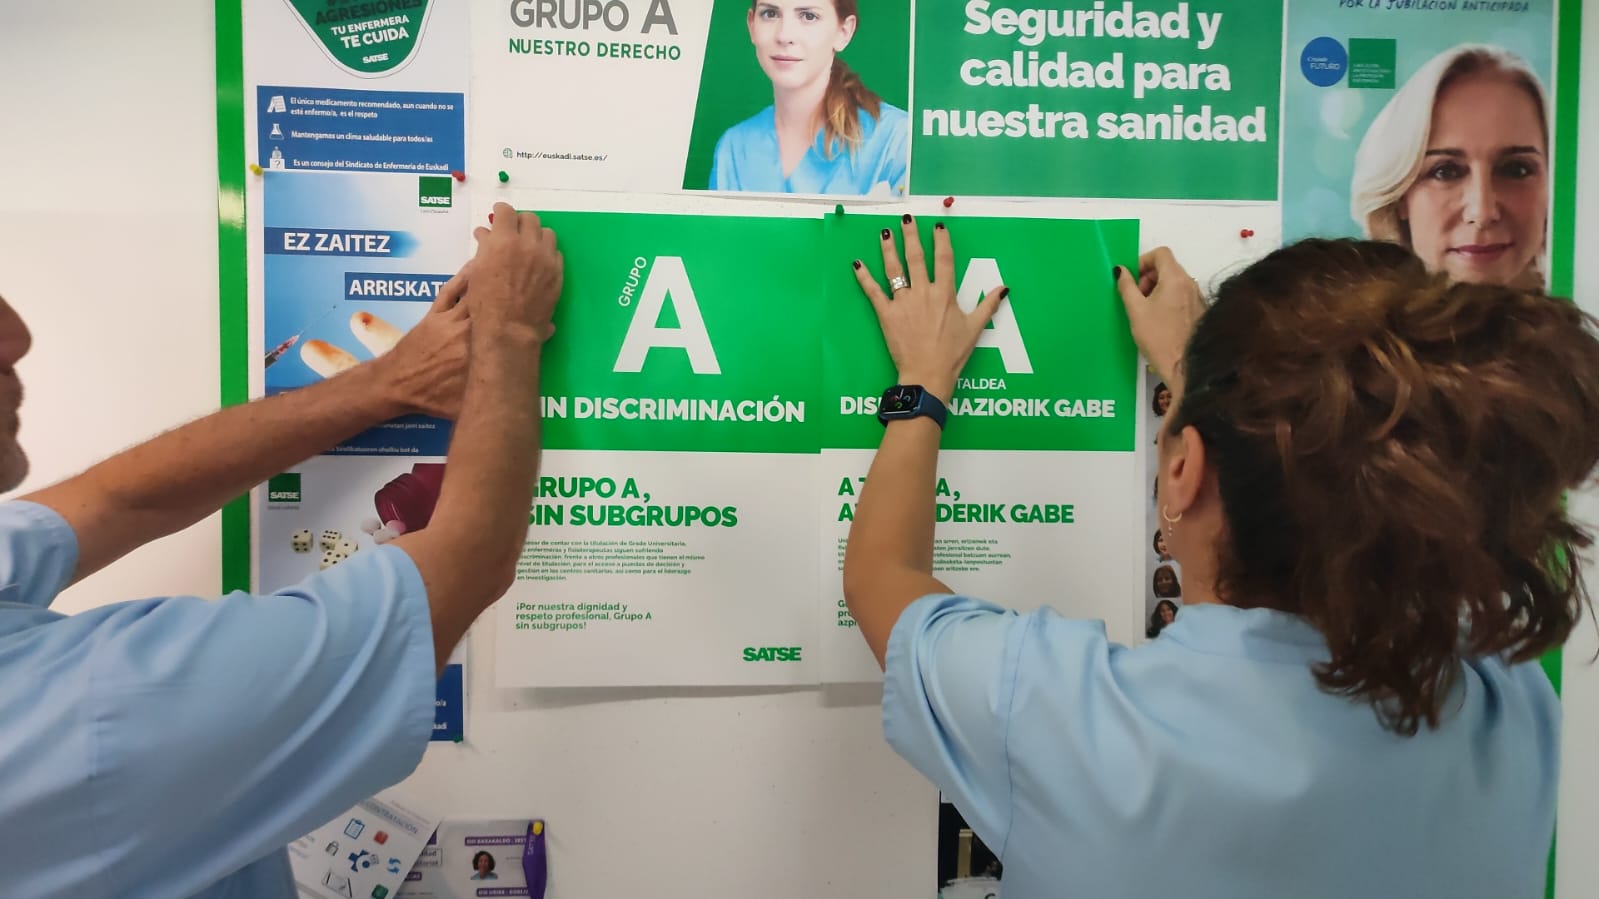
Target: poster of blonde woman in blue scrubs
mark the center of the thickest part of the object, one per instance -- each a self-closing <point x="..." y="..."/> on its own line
<point x="781" y="110"/>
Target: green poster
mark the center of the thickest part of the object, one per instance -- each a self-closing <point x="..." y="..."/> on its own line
<point x="684" y="332"/>
<point x="365" y="37"/>
<point x="1155" y="99"/>
<point x="736" y="85"/>
<point x="1056" y="369"/>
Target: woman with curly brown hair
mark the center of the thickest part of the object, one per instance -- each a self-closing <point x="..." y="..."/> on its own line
<point x="1361" y="477"/>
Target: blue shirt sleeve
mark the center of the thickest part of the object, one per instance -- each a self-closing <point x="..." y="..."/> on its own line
<point x="949" y="677"/>
<point x="38" y="553"/>
<point x="722" y="174"/>
<point x="155" y="746"/>
<point x="895" y="164"/>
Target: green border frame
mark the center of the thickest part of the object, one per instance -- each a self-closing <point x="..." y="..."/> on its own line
<point x="232" y="267"/>
<point x="233" y="249"/>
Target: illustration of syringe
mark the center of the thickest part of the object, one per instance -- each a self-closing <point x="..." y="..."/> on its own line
<point x="278" y="351"/>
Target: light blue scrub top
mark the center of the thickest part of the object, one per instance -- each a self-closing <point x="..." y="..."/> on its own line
<point x="748" y="159"/>
<point x="1207" y="763"/>
<point x="172" y="747"/>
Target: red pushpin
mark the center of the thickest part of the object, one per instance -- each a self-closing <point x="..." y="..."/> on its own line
<point x="459" y="176"/>
<point x="1247" y="232"/>
<point x="491" y="218"/>
<point x="948" y="202"/>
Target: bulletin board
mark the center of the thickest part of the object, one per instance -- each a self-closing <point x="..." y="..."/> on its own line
<point x="708" y="402"/>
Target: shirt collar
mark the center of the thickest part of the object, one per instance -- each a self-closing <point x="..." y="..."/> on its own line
<point x="1253" y="633"/>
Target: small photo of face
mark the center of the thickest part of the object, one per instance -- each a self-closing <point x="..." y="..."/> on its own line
<point x="1165" y="583"/>
<point x="1160" y="403"/>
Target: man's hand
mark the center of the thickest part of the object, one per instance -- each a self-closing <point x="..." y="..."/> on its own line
<point x="426" y="370"/>
<point x="468" y="553"/>
<point x="516" y="274"/>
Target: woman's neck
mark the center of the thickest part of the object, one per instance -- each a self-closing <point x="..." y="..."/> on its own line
<point x="797" y="111"/>
<point x="1199" y="581"/>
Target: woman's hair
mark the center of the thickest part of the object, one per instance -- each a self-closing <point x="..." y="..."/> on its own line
<point x="845" y="96"/>
<point x="482" y="854"/>
<point x="1393" y="152"/>
<point x="1156" y="624"/>
<point x="1391" y="451"/>
<point x="1176" y="588"/>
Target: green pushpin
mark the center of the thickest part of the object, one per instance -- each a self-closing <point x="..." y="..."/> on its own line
<point x="504" y="177"/>
<point x="839" y="209"/>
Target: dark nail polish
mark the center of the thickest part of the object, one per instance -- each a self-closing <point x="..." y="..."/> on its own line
<point x="857" y="263"/>
<point x="1004" y="292"/>
<point x="1116" y="272"/>
<point x="907" y="218"/>
<point x="939" y="226"/>
<point x="885" y="234"/>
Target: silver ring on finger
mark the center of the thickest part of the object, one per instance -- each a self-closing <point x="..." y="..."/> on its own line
<point x="898" y="283"/>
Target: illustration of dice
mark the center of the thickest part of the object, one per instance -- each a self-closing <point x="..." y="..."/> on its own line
<point x="332" y="557"/>
<point x="301" y="541"/>
<point x="348" y="547"/>
<point x="330" y="539"/>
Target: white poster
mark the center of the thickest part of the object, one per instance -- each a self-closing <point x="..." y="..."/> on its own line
<point x="363" y="853"/>
<point x="1022" y="530"/>
<point x="673" y="95"/>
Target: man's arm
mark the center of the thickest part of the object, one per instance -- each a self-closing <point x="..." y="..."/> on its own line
<point x="467" y="555"/>
<point x="168" y="483"/>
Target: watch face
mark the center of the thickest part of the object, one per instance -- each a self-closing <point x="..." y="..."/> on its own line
<point x="900" y="399"/>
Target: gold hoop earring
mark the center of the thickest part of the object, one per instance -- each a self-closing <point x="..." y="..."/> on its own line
<point x="1168" y="518"/>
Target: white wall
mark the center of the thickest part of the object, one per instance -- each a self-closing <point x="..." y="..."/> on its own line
<point x="108" y="247"/>
<point x="1576" y="865"/>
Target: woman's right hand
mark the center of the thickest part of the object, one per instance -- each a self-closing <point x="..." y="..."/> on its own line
<point x="1163" y="304"/>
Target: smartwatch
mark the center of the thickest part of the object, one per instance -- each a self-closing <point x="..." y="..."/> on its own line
<point x="909" y="401"/>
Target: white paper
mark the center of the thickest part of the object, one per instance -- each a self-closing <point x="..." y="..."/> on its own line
<point x="363" y="853"/>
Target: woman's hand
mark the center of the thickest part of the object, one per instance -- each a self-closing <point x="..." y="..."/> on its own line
<point x="1163" y="305"/>
<point x="928" y="336"/>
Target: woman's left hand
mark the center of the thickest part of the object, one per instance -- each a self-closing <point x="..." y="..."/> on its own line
<point x="928" y="335"/>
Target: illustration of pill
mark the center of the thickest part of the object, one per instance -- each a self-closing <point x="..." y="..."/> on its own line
<point x="326" y="359"/>
<point x="377" y="335"/>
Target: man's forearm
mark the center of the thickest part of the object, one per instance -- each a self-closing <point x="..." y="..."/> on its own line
<point x="468" y="553"/>
<point x="488" y="486"/>
<point x="171" y="481"/>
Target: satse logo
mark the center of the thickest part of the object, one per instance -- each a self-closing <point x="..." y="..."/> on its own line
<point x="1002" y="333"/>
<point x="772" y="653"/>
<point x="667" y="282"/>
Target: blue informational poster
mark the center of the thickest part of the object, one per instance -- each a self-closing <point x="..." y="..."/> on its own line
<point x="330" y="130"/>
<point x="350" y="263"/>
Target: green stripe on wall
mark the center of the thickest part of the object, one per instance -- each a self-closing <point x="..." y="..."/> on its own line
<point x="1563" y="229"/>
<point x="232" y="283"/>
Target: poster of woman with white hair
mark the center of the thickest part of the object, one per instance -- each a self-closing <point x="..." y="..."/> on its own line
<point x="1436" y="135"/>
